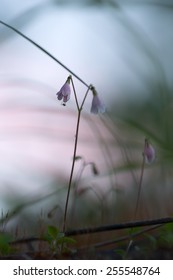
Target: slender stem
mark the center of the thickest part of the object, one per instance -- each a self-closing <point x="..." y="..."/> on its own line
<point x="72" y="169"/>
<point x="137" y="202"/>
<point x="75" y="186"/>
<point x="85" y="97"/>
<point x="74" y="152"/>
<point x="75" y="95"/>
<point x="43" y="50"/>
<point x="140" y="187"/>
<point x="124" y="238"/>
<point x="79" y="108"/>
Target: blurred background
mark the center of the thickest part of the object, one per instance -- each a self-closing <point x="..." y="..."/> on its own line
<point x="124" y="48"/>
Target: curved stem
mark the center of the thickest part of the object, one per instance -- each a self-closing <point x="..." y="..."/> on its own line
<point x="43" y="50"/>
<point x="79" y="107"/>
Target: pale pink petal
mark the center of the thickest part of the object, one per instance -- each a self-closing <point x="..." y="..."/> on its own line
<point x="97" y="106"/>
<point x="64" y="92"/>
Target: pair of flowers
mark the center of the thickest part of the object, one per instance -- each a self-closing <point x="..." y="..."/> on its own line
<point x="97" y="105"/>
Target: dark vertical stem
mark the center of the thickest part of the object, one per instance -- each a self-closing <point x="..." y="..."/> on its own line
<point x="140" y="187"/>
<point x="72" y="169"/>
<point x="75" y="95"/>
<point x="74" y="151"/>
<point x="138" y="198"/>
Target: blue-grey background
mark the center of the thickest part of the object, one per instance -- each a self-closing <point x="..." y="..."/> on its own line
<point x="124" y="48"/>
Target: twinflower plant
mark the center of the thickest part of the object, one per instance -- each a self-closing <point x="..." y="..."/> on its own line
<point x="148" y="158"/>
<point x="96" y="107"/>
<point x="63" y="95"/>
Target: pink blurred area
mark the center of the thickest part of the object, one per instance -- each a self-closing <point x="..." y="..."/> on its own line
<point x="37" y="137"/>
<point x="37" y="133"/>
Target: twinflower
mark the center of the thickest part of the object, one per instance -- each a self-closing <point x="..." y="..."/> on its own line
<point x="65" y="91"/>
<point x="97" y="105"/>
<point x="149" y="152"/>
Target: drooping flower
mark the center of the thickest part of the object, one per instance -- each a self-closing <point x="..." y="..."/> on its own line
<point x="149" y="152"/>
<point x="97" y="105"/>
<point x="65" y="91"/>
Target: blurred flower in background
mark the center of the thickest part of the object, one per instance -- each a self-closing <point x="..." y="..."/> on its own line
<point x="149" y="152"/>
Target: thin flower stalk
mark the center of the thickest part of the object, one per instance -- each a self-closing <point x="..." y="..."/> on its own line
<point x="148" y="157"/>
<point x="43" y="50"/>
<point x="74" y="157"/>
<point x="75" y="94"/>
<point x="96" y="107"/>
<point x="64" y="95"/>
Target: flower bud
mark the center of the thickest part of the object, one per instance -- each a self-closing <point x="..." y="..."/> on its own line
<point x="149" y="152"/>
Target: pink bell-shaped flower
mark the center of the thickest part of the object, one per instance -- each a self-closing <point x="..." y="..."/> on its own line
<point x="65" y="91"/>
<point x="97" y="105"/>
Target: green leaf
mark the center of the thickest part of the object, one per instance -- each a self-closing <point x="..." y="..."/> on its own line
<point x="152" y="239"/>
<point x="120" y="252"/>
<point x="66" y="240"/>
<point x="53" y="231"/>
<point x="5" y="247"/>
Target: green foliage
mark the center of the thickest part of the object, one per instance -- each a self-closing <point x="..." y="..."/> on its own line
<point x="153" y="242"/>
<point x="166" y="236"/>
<point x="57" y="240"/>
<point x="121" y="253"/>
<point x="5" y="247"/>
